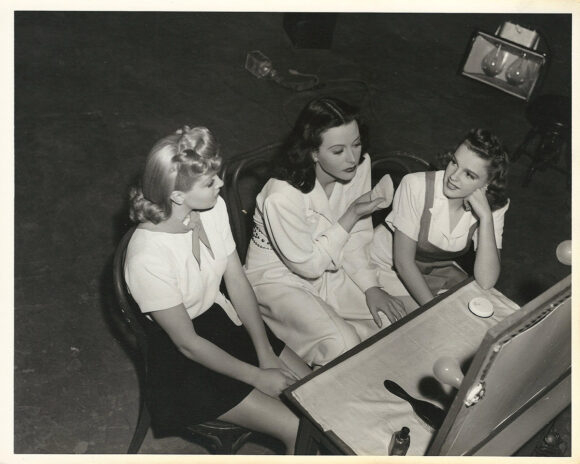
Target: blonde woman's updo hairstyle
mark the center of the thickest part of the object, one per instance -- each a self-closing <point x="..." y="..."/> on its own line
<point x="174" y="163"/>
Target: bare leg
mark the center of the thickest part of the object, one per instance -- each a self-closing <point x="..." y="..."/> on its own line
<point x="263" y="413"/>
<point x="294" y="362"/>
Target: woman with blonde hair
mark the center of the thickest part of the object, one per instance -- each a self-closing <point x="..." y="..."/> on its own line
<point x="209" y="358"/>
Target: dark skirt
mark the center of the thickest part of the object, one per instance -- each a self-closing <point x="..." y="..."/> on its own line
<point x="183" y="392"/>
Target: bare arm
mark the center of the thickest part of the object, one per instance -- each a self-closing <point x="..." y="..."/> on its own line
<point x="487" y="258"/>
<point x="244" y="300"/>
<point x="176" y="322"/>
<point x="487" y="265"/>
<point x="404" y="250"/>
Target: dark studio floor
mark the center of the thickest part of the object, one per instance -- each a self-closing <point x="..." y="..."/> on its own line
<point x="94" y="91"/>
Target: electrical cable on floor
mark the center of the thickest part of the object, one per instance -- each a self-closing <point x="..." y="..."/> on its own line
<point x="310" y="85"/>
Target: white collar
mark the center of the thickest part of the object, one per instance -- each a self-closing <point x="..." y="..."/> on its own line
<point x="440" y="212"/>
<point x="319" y="201"/>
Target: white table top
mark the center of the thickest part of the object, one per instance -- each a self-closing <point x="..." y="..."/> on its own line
<point x="350" y="399"/>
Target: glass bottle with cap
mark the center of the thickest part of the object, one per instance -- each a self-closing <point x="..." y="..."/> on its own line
<point x="400" y="442"/>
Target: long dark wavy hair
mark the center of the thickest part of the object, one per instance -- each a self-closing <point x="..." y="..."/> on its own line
<point x="487" y="146"/>
<point x="294" y="162"/>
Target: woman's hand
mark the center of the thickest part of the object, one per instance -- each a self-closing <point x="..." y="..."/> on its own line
<point x="273" y="381"/>
<point x="269" y="360"/>
<point x="478" y="203"/>
<point x="379" y="300"/>
<point x="359" y="208"/>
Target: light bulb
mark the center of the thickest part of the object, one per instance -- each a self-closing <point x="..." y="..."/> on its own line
<point x="493" y="63"/>
<point x="517" y="72"/>
<point x="564" y="252"/>
<point x="447" y="371"/>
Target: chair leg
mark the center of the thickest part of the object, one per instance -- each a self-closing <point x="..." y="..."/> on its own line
<point x="220" y="440"/>
<point x="568" y="161"/>
<point x="143" y="423"/>
<point x="232" y="442"/>
<point x="529" y="173"/>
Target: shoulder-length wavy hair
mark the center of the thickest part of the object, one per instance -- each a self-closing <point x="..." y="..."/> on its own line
<point x="174" y="163"/>
<point x="488" y="147"/>
<point x="294" y="162"/>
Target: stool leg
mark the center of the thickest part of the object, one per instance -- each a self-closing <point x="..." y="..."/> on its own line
<point x="546" y="154"/>
<point x="529" y="173"/>
<point x="567" y="170"/>
<point x="523" y="147"/>
<point x="232" y="441"/>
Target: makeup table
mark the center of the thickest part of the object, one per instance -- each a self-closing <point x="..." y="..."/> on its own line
<point x="344" y="407"/>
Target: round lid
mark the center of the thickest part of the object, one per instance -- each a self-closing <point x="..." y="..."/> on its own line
<point x="481" y="307"/>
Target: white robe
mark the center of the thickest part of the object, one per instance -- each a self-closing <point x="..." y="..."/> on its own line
<point x="308" y="273"/>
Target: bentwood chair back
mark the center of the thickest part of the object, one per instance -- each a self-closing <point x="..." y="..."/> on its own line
<point x="397" y="164"/>
<point x="245" y="175"/>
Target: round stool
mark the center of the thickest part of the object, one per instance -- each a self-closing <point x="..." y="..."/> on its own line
<point x="549" y="137"/>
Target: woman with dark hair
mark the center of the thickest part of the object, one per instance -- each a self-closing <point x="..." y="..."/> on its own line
<point x="309" y="260"/>
<point x="435" y="217"/>
<point x="203" y="364"/>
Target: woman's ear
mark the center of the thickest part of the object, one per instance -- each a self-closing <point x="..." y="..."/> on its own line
<point x="176" y="197"/>
<point x="314" y="155"/>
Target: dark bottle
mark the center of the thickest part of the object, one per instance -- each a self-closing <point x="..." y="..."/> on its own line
<point x="400" y="442"/>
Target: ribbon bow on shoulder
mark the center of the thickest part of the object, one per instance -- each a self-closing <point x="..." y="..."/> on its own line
<point x="193" y="222"/>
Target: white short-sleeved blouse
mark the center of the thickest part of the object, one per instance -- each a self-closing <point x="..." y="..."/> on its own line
<point x="161" y="271"/>
<point x="408" y="205"/>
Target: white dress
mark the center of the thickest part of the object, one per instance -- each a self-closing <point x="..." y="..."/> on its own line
<point x="408" y="205"/>
<point x="308" y="273"/>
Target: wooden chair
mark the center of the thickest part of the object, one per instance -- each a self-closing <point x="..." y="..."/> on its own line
<point x="397" y="164"/>
<point x="244" y="176"/>
<point x="220" y="437"/>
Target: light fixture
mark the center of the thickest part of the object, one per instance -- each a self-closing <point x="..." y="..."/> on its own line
<point x="509" y="60"/>
<point x="261" y="66"/>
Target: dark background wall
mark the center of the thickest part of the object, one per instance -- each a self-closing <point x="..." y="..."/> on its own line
<point x="95" y="90"/>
